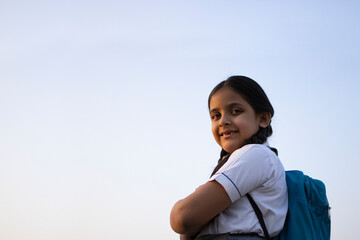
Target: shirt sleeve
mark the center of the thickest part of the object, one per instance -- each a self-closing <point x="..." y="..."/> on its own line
<point x="246" y="169"/>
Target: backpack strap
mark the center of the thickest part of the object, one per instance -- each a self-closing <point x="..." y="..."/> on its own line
<point x="259" y="216"/>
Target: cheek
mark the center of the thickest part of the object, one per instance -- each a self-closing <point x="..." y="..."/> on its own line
<point x="248" y="125"/>
<point x="214" y="130"/>
<point x="252" y="129"/>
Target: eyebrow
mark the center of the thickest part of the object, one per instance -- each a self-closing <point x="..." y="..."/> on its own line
<point x="229" y="105"/>
<point x="213" y="110"/>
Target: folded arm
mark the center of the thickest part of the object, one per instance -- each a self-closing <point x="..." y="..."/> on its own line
<point x="192" y="213"/>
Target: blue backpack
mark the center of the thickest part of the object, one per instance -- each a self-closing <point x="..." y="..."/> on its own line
<point x="308" y="215"/>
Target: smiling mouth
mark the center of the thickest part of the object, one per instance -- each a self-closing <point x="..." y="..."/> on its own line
<point x="227" y="133"/>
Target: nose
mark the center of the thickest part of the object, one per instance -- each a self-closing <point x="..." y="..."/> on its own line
<point x="224" y="121"/>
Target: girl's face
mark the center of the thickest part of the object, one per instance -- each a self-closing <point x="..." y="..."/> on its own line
<point x="233" y="119"/>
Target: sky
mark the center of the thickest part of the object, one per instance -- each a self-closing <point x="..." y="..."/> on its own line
<point x="103" y="107"/>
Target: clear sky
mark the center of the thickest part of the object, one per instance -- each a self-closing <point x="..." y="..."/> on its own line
<point x="103" y="107"/>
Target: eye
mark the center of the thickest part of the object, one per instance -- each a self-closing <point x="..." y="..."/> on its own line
<point x="236" y="111"/>
<point x="215" y="116"/>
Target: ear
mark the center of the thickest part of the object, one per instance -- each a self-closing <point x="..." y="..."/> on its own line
<point x="264" y="119"/>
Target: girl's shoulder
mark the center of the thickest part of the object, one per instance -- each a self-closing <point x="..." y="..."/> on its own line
<point x="251" y="156"/>
<point x="253" y="150"/>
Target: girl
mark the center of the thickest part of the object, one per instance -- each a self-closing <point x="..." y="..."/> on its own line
<point x="220" y="209"/>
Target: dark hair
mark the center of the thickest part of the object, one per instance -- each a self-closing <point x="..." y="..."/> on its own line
<point x="252" y="92"/>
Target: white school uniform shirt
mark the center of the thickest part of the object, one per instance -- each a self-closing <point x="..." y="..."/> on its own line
<point x="254" y="169"/>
